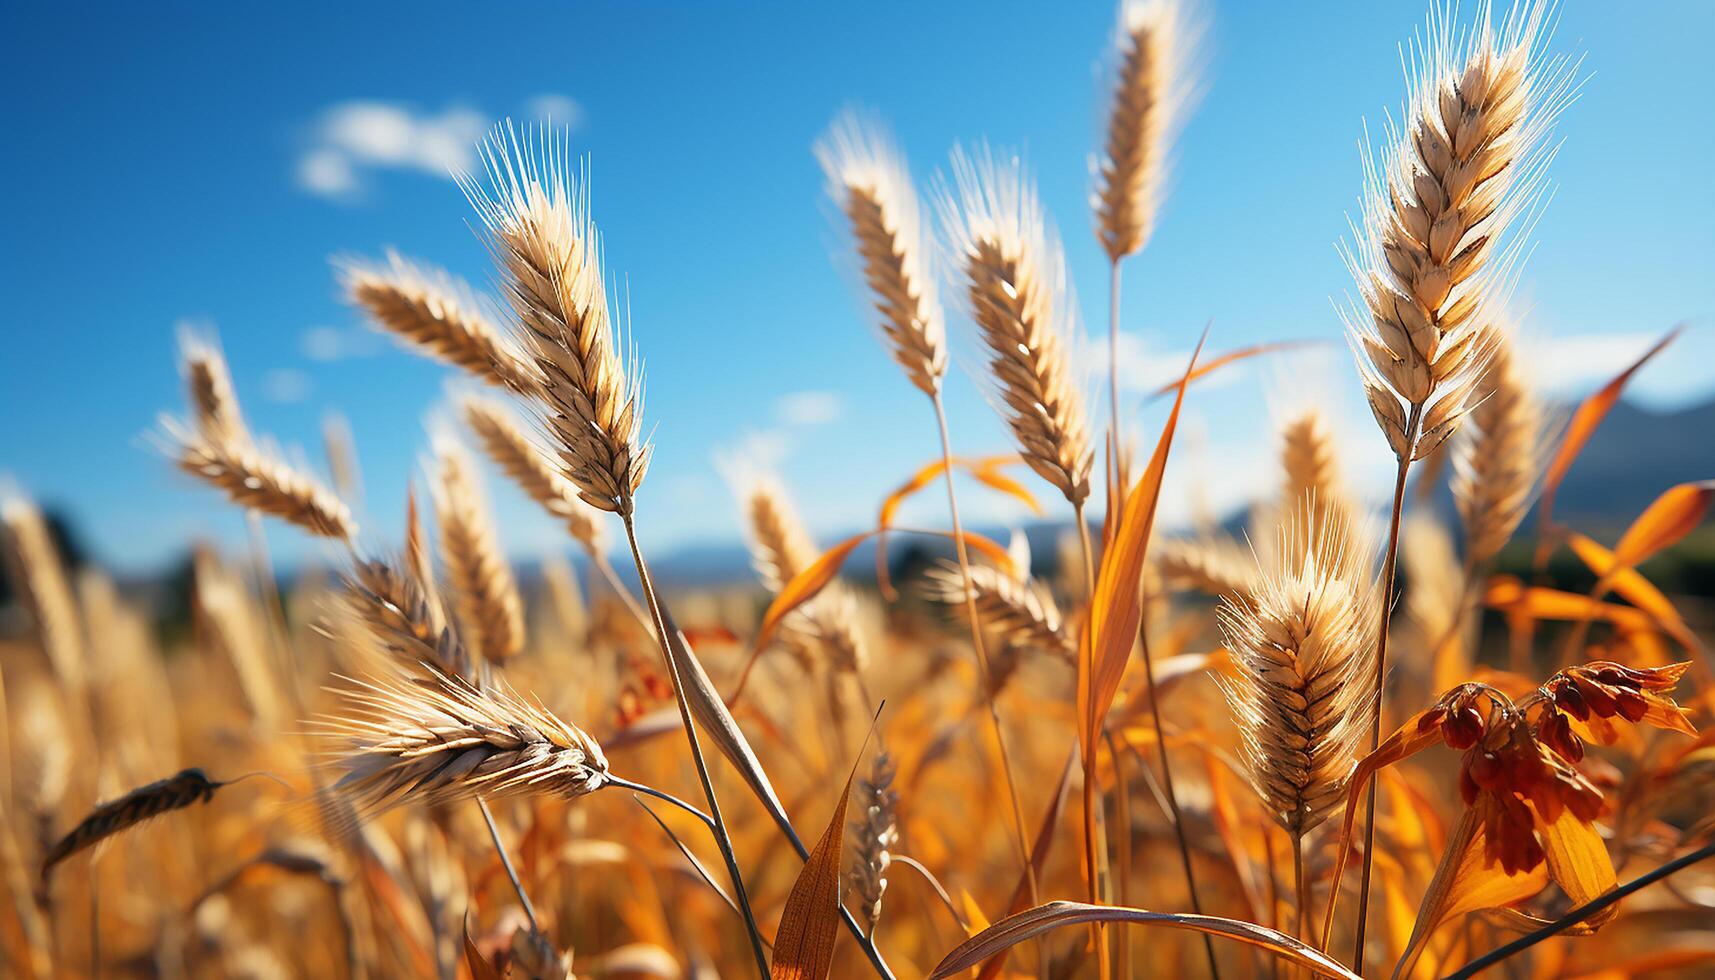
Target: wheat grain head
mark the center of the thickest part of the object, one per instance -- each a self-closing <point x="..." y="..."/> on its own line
<point x="1148" y="94"/>
<point x="527" y="465"/>
<point x="1496" y="462"/>
<point x="485" y="595"/>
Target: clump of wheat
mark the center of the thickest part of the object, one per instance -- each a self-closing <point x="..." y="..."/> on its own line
<point x="549" y="254"/>
<point x="449" y="740"/>
<point x="867" y="179"/>
<point x="485" y="594"/>
<point x="1148" y="93"/>
<point x="1432" y="259"/>
<point x="1497" y="462"/>
<point x="438" y="315"/>
<point x="1303" y="648"/>
<point x="531" y="469"/>
<point x="1014" y="274"/>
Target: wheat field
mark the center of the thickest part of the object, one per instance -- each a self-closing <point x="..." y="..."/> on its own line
<point x="1346" y="739"/>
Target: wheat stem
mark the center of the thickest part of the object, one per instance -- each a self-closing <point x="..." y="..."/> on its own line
<point x="722" y="838"/>
<point x="506" y="862"/>
<point x="977" y="643"/>
<point x="1390" y="563"/>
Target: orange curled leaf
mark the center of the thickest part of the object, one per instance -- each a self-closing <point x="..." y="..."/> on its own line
<point x="1513" y="597"/>
<point x="1632" y="586"/>
<point x="988" y="474"/>
<point x="1670" y="517"/>
<point x="986" y="469"/>
<point x="1465" y="882"/>
<point x="1015" y="929"/>
<point x="1590" y="413"/>
<point x="478" y="964"/>
<point x="1216" y="363"/>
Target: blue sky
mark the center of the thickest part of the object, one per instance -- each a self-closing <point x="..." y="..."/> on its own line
<point x="173" y="163"/>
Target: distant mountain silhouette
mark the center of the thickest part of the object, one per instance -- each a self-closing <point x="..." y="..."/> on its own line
<point x="1632" y="458"/>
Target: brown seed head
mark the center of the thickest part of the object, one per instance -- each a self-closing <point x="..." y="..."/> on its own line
<point x="1145" y="100"/>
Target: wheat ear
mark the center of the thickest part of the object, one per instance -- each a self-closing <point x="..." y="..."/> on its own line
<point x="781" y="549"/>
<point x="485" y="594"/>
<point x="253" y="476"/>
<point x="1015" y="277"/>
<point x="1302" y="647"/>
<point x="1215" y="566"/>
<point x="549" y="254"/>
<point x="403" y="617"/>
<point x="1145" y="100"/>
<point x="1020" y="614"/>
<point x="438" y="316"/>
<point x="1496" y="463"/>
<point x="448" y="740"/>
<point x="174" y="793"/>
<point x="39" y="575"/>
<point x="868" y="180"/>
<point x="208" y="385"/>
<point x="1433" y="254"/>
<point x="532" y="470"/>
<point x="875" y="832"/>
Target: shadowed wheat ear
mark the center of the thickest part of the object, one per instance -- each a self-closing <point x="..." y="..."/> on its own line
<point x="1215" y="566"/>
<point x="485" y="594"/>
<point x="446" y="740"/>
<point x="1497" y="461"/>
<point x="549" y="255"/>
<point x="141" y="804"/>
<point x="1019" y="614"/>
<point x="208" y="384"/>
<point x="867" y="179"/>
<point x="1302" y="646"/>
<point x="439" y="316"/>
<point x="404" y="617"/>
<point x="1014" y="274"/>
<point x="1148" y="94"/>
<point x="1433" y="257"/>
<point x="874" y="834"/>
<point x="531" y="469"/>
<point x="1310" y="464"/>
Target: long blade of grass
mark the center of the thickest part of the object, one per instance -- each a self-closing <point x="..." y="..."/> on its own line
<point x="1028" y="924"/>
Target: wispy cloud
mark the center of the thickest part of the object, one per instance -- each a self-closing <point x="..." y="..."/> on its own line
<point x="326" y="344"/>
<point x="803" y="409"/>
<point x="285" y="386"/>
<point x="555" y="108"/>
<point x="350" y="140"/>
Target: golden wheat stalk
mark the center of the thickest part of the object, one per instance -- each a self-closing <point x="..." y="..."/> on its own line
<point x="1497" y="462"/>
<point x="868" y="180"/>
<point x="549" y="254"/>
<point x="1215" y="566"/>
<point x="439" y="316"/>
<point x="1146" y="97"/>
<point x="1014" y="272"/>
<point x="1433" y="254"/>
<point x="253" y="476"/>
<point x="532" y="470"/>
<point x="1303" y="650"/>
<point x="227" y="616"/>
<point x="208" y="385"/>
<point x="485" y="595"/>
<point x="40" y="575"/>
<point x="1020" y="615"/>
<point x="448" y="740"/>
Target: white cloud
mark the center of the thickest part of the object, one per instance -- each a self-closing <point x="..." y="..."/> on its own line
<point x="323" y="343"/>
<point x="561" y="110"/>
<point x="1571" y="363"/>
<point x="352" y="139"/>
<point x="809" y="408"/>
<point x="286" y="385"/>
<point x="1145" y="367"/>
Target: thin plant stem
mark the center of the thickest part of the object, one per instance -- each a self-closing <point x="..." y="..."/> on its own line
<point x="721" y="836"/>
<point x="646" y="790"/>
<point x="1389" y="567"/>
<point x="1087" y="548"/>
<point x="506" y="862"/>
<point x="1167" y="790"/>
<point x="605" y="568"/>
<point x="1581" y="913"/>
<point x="1095" y="847"/>
<point x="1122" y="816"/>
<point x="982" y="652"/>
<point x="1114" y="377"/>
<point x="1300" y="884"/>
<point x="1273" y="896"/>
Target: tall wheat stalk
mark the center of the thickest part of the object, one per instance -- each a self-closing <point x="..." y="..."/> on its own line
<point x="1432" y="259"/>
<point x="867" y="178"/>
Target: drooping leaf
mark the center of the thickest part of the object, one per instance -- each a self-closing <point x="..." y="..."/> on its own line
<point x="1465" y="882"/>
<point x="1014" y="929"/>
<point x="1590" y="413"/>
<point x="478" y="964"/>
<point x="1511" y="596"/>
<point x="1667" y="519"/>
<point x="1222" y="360"/>
<point x="1632" y="586"/>
<point x="985" y="469"/>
